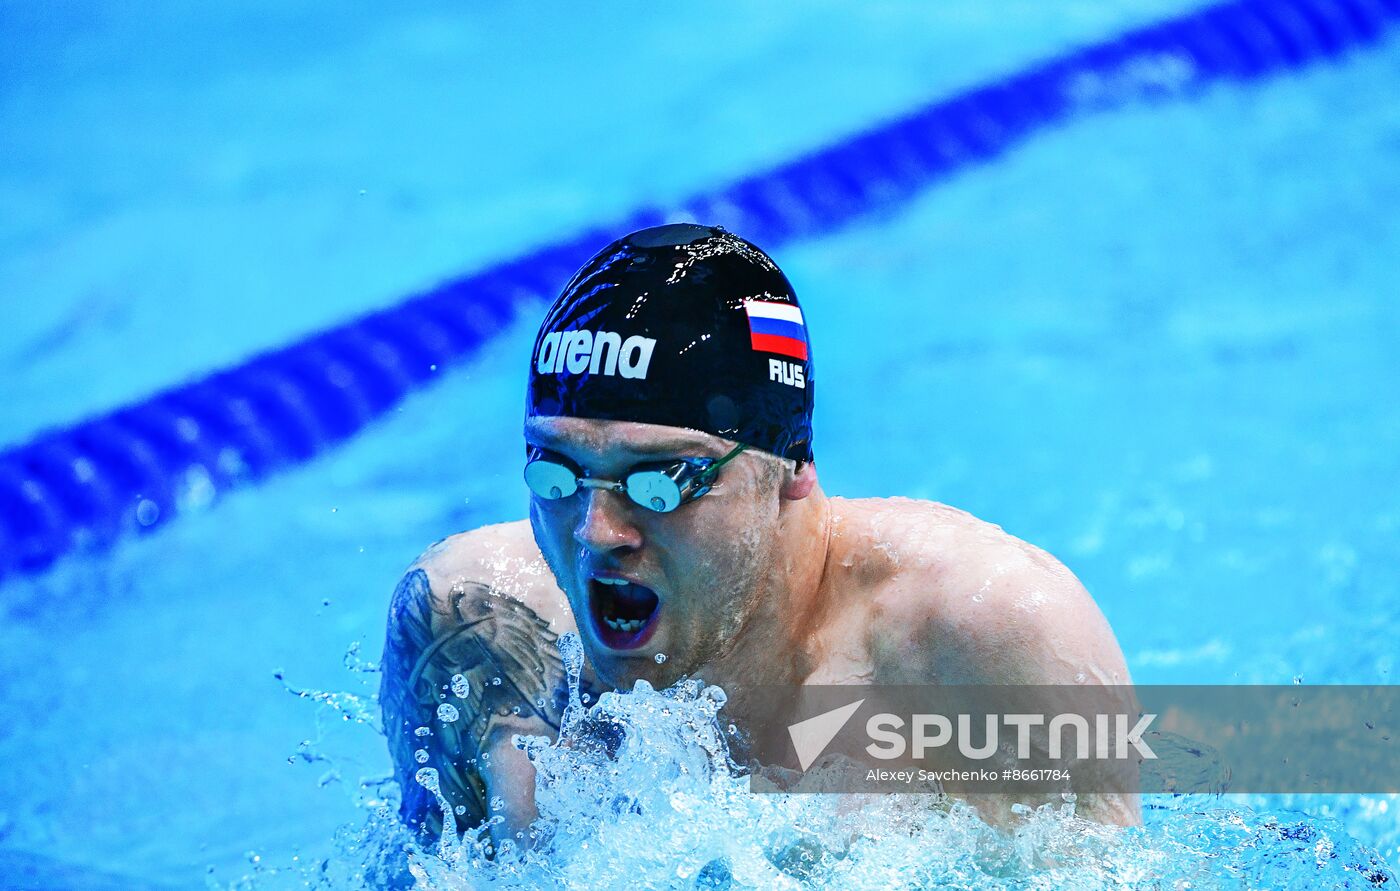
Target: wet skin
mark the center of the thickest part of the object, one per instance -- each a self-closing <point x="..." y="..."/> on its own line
<point x="764" y="580"/>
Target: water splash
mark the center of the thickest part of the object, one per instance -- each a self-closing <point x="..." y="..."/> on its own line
<point x="461" y="687"/>
<point x="640" y="791"/>
<point x="361" y="709"/>
<point x="353" y="662"/>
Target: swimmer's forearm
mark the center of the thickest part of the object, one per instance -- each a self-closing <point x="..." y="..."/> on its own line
<point x="495" y="663"/>
<point x="510" y="783"/>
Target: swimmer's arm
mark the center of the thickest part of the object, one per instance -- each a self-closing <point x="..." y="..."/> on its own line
<point x="508" y="657"/>
<point x="1013" y="615"/>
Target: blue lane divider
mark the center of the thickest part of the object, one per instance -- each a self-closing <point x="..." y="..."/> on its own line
<point x="135" y="468"/>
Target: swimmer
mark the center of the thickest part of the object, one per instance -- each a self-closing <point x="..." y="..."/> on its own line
<point x="675" y="508"/>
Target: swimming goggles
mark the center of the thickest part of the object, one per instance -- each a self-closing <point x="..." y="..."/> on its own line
<point x="661" y="486"/>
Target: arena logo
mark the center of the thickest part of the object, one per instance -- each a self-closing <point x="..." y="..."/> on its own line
<point x="1108" y="734"/>
<point x="604" y="352"/>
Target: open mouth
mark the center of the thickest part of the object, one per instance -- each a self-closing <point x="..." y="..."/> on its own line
<point x="624" y="613"/>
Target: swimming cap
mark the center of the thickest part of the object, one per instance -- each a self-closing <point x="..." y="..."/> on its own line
<point x="685" y="326"/>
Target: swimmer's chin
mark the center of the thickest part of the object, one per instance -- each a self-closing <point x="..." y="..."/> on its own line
<point x="622" y="674"/>
<point x="621" y="669"/>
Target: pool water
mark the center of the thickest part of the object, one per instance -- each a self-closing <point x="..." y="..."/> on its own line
<point x="1159" y="343"/>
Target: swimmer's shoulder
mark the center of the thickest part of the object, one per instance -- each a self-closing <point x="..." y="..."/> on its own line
<point x="965" y="602"/>
<point x="886" y="539"/>
<point x="981" y="604"/>
<point x="502" y="557"/>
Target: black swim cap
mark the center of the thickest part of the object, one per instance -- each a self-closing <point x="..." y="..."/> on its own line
<point x="681" y="325"/>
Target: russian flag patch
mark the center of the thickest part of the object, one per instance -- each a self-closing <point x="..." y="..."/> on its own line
<point x="777" y="328"/>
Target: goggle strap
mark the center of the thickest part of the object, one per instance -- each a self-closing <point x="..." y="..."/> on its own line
<point x="709" y="472"/>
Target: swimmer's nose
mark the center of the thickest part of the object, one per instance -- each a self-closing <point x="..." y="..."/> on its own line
<point x="605" y="524"/>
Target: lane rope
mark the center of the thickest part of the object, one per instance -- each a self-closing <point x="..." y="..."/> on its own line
<point x="133" y="469"/>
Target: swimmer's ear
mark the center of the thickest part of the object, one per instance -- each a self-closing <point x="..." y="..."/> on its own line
<point x="799" y="480"/>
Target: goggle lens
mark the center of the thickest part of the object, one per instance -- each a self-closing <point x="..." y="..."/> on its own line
<point x="550" y="480"/>
<point x="654" y="490"/>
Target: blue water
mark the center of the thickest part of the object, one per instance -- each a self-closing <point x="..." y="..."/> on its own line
<point x="1160" y="344"/>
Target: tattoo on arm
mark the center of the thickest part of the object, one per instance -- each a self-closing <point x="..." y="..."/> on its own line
<point x="509" y="660"/>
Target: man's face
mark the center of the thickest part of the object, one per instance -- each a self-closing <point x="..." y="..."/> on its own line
<point x="643" y="583"/>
